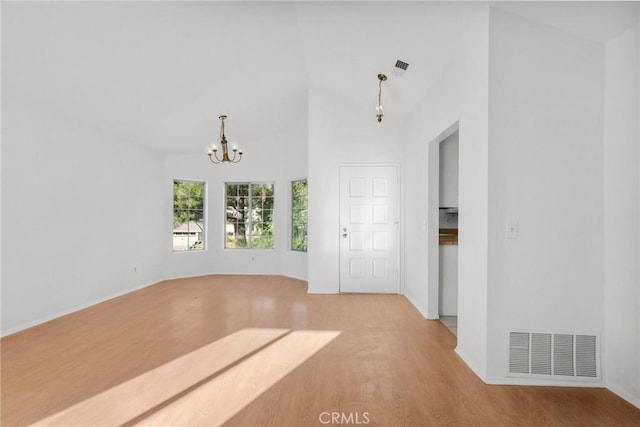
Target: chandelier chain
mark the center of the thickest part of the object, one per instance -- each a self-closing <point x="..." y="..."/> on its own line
<point x="379" y="114"/>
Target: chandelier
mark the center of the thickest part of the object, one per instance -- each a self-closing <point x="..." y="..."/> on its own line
<point x="379" y="115"/>
<point x="212" y="151"/>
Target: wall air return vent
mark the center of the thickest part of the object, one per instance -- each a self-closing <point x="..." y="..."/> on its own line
<point x="559" y="356"/>
<point x="519" y="353"/>
<point x="586" y="363"/>
<point x="541" y="354"/>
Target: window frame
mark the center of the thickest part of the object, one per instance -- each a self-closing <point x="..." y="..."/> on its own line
<point x="291" y="211"/>
<point x="249" y="221"/>
<point x="205" y="227"/>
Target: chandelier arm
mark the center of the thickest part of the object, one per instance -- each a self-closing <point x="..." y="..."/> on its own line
<point x="217" y="159"/>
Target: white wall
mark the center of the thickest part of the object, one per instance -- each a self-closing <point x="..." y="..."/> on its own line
<point x="294" y="263"/>
<point x="546" y="102"/>
<point x="448" y="280"/>
<point x="460" y="95"/>
<point x="341" y="130"/>
<point x="621" y="340"/>
<point x="79" y="212"/>
<point x="448" y="181"/>
<point x="277" y="158"/>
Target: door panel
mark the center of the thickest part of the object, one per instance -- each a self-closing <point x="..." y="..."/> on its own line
<point x="369" y="229"/>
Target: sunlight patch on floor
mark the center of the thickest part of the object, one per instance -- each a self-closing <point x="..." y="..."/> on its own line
<point x="219" y="399"/>
<point x="131" y="399"/>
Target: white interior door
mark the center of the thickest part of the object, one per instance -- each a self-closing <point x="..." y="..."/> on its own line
<point x="369" y="229"/>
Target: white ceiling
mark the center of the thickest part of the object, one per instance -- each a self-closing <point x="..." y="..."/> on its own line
<point x="157" y="73"/>
<point x="160" y="73"/>
<point x="594" y="20"/>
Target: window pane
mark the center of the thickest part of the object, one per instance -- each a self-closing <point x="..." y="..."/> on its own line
<point x="299" y="215"/>
<point x="262" y="236"/>
<point x="232" y="189"/>
<point x="267" y="216"/>
<point x="235" y="235"/>
<point x="268" y="203"/>
<point x="188" y="215"/>
<point x="197" y="202"/>
<point x="236" y="213"/>
<point x="237" y="206"/>
<point x="262" y="190"/>
<point x="249" y="215"/>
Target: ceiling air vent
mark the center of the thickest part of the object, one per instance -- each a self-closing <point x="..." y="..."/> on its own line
<point x="402" y="65"/>
<point x="400" y="68"/>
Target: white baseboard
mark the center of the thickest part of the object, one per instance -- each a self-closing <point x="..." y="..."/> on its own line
<point x="470" y="362"/>
<point x="624" y="394"/>
<point x="541" y="382"/>
<point x="417" y="306"/>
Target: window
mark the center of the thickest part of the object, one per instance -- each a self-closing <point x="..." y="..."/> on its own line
<point x="188" y="215"/>
<point x="249" y="222"/>
<point x="299" y="215"/>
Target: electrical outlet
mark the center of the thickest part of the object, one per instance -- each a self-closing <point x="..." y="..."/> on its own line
<point x="512" y="230"/>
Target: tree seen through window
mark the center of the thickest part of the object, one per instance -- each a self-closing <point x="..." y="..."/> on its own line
<point x="249" y="215"/>
<point x="299" y="215"/>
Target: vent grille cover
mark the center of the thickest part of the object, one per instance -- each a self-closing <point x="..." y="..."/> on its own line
<point x="540" y="354"/>
<point x="519" y="353"/>
<point x="534" y="354"/>
<point x="586" y="365"/>
<point x="402" y="65"/>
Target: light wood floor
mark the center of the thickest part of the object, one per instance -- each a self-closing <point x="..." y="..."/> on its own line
<point x="259" y="351"/>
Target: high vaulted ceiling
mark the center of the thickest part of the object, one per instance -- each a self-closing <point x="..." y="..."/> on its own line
<point x="160" y="73"/>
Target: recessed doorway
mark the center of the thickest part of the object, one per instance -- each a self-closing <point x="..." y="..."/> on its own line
<point x="448" y="232"/>
<point x="442" y="227"/>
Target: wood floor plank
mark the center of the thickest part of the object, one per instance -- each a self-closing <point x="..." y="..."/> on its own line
<point x="387" y="362"/>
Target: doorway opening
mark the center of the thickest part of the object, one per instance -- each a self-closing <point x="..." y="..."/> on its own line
<point x="448" y="232"/>
<point x="443" y="210"/>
